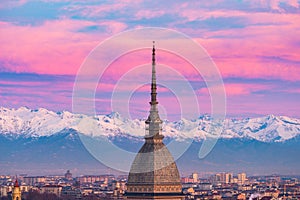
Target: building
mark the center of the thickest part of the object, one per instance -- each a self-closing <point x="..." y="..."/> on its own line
<point x="241" y="196"/>
<point x="16" y="193"/>
<point x="95" y="178"/>
<point x="153" y="173"/>
<point x="3" y="190"/>
<point x="228" y="178"/>
<point x="52" y="189"/>
<point x="223" y="178"/>
<point x="68" y="175"/>
<point x="205" y="186"/>
<point x="187" y="180"/>
<point x="195" y="177"/>
<point x="242" y="177"/>
<point x="33" y="180"/>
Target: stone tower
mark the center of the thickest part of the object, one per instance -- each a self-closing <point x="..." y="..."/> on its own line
<point x="16" y="193"/>
<point x="154" y="174"/>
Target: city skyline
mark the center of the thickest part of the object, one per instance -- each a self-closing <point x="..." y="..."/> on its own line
<point x="106" y="186"/>
<point x="253" y="43"/>
<point x="75" y="82"/>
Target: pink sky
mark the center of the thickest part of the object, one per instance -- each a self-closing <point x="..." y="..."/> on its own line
<point x="255" y="45"/>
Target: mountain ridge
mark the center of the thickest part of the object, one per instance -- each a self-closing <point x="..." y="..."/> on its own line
<point x="46" y="142"/>
<point x="42" y="122"/>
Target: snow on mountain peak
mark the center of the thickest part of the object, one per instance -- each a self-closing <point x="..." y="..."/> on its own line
<point x="42" y="122"/>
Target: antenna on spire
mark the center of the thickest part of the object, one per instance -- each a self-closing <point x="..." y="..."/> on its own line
<point x="153" y="53"/>
<point x="153" y="83"/>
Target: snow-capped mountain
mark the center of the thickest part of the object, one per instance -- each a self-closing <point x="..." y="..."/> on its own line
<point x="42" y="122"/>
<point x="45" y="142"/>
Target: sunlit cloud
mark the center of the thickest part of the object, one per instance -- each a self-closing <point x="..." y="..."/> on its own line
<point x="249" y="40"/>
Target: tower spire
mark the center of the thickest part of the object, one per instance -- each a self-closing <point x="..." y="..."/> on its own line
<point x="153" y="82"/>
<point x="153" y="123"/>
<point x="153" y="173"/>
<point x="16" y="193"/>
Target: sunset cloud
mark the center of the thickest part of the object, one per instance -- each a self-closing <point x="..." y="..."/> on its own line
<point x="254" y="43"/>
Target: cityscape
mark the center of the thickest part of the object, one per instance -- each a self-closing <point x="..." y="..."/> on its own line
<point x="149" y="100"/>
<point x="153" y="175"/>
<point x="108" y="186"/>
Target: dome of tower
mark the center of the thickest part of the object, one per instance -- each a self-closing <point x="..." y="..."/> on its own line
<point x="154" y="170"/>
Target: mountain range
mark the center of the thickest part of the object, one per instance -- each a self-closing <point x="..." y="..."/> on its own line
<point x="45" y="142"/>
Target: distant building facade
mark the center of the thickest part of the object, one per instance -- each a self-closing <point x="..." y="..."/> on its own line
<point x="242" y="177"/>
<point x="52" y="189"/>
<point x="32" y="180"/>
<point x="195" y="177"/>
<point x="223" y="178"/>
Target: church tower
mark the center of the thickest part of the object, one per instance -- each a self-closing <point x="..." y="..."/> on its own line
<point x="16" y="193"/>
<point x="153" y="173"/>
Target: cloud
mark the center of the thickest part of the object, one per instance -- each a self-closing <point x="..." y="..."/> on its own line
<point x="56" y="47"/>
<point x="249" y="40"/>
<point x="237" y="89"/>
<point x="246" y="88"/>
<point x="36" y="90"/>
<point x="12" y="3"/>
<point x="274" y="4"/>
<point x="31" y="12"/>
<point x="147" y="14"/>
<point x="265" y="48"/>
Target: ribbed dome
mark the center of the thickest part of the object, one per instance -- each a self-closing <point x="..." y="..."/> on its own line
<point x="154" y="170"/>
